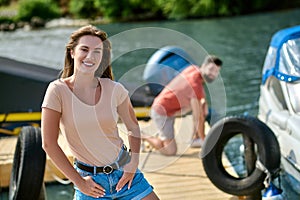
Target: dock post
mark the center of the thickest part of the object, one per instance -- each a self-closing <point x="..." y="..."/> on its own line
<point x="250" y="158"/>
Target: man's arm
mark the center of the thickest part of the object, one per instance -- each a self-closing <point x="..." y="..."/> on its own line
<point x="199" y="110"/>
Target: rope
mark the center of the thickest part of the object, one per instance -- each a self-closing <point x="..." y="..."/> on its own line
<point x="268" y="178"/>
<point x="58" y="179"/>
<point x="146" y="159"/>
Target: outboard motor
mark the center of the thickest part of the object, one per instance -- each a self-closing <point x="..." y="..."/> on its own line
<point x="164" y="65"/>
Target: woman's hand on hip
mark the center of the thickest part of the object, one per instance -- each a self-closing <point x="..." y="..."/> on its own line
<point x="128" y="175"/>
<point x="90" y="188"/>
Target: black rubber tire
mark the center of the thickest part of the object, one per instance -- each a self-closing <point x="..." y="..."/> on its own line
<point x="267" y="149"/>
<point x="28" y="168"/>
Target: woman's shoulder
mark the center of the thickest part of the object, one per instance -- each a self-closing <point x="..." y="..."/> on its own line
<point x="57" y="84"/>
<point x="106" y="82"/>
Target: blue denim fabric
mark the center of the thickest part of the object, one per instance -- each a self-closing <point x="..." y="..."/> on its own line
<point x="140" y="187"/>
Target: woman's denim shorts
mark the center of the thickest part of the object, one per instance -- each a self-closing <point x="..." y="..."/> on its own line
<point x="139" y="189"/>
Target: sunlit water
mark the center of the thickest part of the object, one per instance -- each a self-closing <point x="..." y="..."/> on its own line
<point x="241" y="42"/>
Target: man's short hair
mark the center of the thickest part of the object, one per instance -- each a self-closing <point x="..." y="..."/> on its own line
<point x="212" y="59"/>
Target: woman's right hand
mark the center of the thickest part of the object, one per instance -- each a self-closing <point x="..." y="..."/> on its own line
<point x="90" y="188"/>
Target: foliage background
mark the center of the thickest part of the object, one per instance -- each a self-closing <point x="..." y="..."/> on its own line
<point x="133" y="10"/>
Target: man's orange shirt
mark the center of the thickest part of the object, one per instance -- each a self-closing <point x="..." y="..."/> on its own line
<point x="177" y="94"/>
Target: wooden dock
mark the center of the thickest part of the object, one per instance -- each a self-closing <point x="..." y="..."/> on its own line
<point x="173" y="177"/>
<point x="185" y="179"/>
<point x="7" y="148"/>
<point x="181" y="176"/>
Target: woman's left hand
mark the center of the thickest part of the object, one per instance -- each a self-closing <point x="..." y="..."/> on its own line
<point x="128" y="175"/>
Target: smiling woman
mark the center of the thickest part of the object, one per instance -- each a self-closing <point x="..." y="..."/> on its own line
<point x="74" y="105"/>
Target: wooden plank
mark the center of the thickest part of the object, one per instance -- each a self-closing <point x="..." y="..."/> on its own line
<point x="184" y="179"/>
<point x="181" y="176"/>
<point x="7" y="148"/>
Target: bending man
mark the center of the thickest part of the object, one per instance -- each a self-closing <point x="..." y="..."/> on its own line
<point x="184" y="93"/>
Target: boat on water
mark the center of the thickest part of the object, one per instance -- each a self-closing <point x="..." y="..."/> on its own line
<point x="261" y="149"/>
<point x="279" y="102"/>
<point x="22" y="87"/>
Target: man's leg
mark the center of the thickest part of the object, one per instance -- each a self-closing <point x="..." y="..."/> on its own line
<point x="167" y="147"/>
<point x="165" y="142"/>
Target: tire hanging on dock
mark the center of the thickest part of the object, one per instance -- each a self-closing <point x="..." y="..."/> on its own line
<point x="268" y="153"/>
<point x="28" y="168"/>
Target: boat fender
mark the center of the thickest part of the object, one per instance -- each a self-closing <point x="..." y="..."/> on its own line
<point x="28" y="168"/>
<point x="267" y="149"/>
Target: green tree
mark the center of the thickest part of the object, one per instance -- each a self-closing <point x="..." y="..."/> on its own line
<point x="4" y="2"/>
<point x="44" y="9"/>
<point x="126" y="9"/>
<point x="203" y="8"/>
<point x="179" y="9"/>
<point x="110" y="8"/>
<point x="84" y="9"/>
